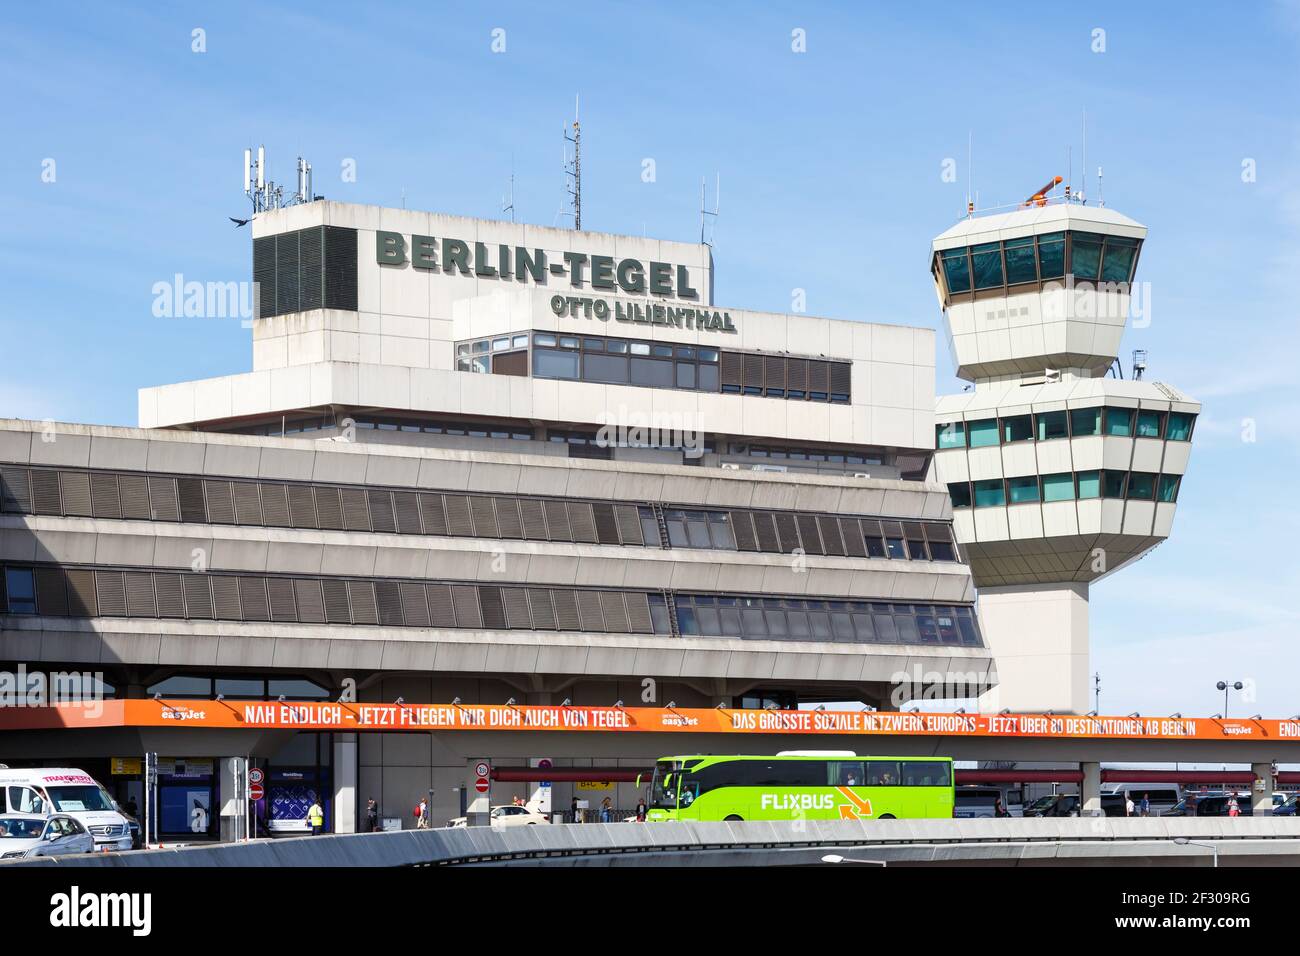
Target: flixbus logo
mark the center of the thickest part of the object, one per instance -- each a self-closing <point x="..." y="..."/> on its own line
<point x="796" y="801"/>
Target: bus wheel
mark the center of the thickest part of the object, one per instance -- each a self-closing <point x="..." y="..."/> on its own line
<point x="733" y="819"/>
<point x="886" y="816"/>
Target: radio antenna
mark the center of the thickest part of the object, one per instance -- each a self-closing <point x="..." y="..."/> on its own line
<point x="264" y="194"/>
<point x="705" y="213"/>
<point x="574" y="170"/>
<point x="508" y="203"/>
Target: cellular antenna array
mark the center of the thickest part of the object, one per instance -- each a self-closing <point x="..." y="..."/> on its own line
<point x="265" y="194"/>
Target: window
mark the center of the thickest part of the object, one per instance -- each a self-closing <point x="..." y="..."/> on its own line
<point x="1142" y="486"/>
<point x="1119" y="422"/>
<point x="875" y="546"/>
<point x="21" y="588"/>
<point x="652" y="372"/>
<point x="1117" y="264"/>
<point x="989" y="494"/>
<point x="986" y="265"/>
<point x="1112" y="483"/>
<point x="942" y="551"/>
<point x="983" y="433"/>
<point x="1180" y="427"/>
<point x="894" y="547"/>
<point x="950" y="435"/>
<point x="1023" y="490"/>
<point x="548" y="363"/>
<point x="1168" y="488"/>
<point x="1085" y="257"/>
<point x="1020" y="260"/>
<point x="1148" y="424"/>
<point x="1051" y="255"/>
<point x="1017" y="428"/>
<point x="960" y="494"/>
<point x="1085" y="421"/>
<point x="956" y="270"/>
<point x="1058" y="487"/>
<point x="604" y="368"/>
<point x="1089" y="483"/>
<point x="1052" y="425"/>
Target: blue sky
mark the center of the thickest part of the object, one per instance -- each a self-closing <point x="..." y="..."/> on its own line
<point x="830" y="164"/>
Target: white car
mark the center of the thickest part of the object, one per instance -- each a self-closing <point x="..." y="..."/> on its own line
<point x="24" y="835"/>
<point x="507" y="815"/>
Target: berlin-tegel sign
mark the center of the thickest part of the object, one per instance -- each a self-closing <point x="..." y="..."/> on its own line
<point x="349" y="717"/>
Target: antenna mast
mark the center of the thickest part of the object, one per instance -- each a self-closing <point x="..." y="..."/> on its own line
<point x="266" y="195"/>
<point x="575" y="169"/>
<point x="704" y="210"/>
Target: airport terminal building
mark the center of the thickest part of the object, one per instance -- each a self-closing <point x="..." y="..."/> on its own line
<point x="485" y="462"/>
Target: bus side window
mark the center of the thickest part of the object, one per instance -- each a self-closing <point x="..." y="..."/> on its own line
<point x="882" y="773"/>
<point x="847" y="773"/>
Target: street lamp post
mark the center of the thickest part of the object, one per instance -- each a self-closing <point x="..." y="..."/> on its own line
<point x="1225" y="687"/>
<point x="1183" y="841"/>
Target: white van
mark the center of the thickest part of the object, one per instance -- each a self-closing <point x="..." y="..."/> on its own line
<point x="1161" y="796"/>
<point x="47" y="790"/>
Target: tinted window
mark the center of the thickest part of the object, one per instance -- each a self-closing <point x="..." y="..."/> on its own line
<point x="925" y="773"/>
<point x="553" y="364"/>
<point x="21" y="590"/>
<point x="604" y="368"/>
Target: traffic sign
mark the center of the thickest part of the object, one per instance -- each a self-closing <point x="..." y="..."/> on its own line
<point x="482" y="769"/>
<point x="481" y="785"/>
<point x="256" y="791"/>
<point x="256" y="775"/>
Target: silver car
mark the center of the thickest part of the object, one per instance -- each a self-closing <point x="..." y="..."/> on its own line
<point x="24" y="835"/>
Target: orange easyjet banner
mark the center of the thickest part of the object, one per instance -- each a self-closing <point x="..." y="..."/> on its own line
<point x="354" y="717"/>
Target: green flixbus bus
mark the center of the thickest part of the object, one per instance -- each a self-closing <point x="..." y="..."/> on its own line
<point x="808" y="785"/>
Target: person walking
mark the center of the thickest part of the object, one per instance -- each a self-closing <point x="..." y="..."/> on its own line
<point x="606" y="811"/>
<point x="1234" y="808"/>
<point x="998" y="809"/>
<point x="1144" y="806"/>
<point x="640" y="810"/>
<point x="372" y="816"/>
<point x="1128" y="805"/>
<point x="422" y="814"/>
<point x="316" y="817"/>
<point x="573" y="810"/>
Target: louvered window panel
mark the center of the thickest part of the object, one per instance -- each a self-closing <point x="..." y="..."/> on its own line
<point x="406" y="509"/>
<point x="611" y="602"/>
<point x="606" y="523"/>
<point x="75" y="486"/>
<point x="484" y="517"/>
<point x="774" y="371"/>
<point x="785" y="529"/>
<point x="433" y="514"/>
<point x="364" y="610"/>
<point x="81" y="594"/>
<point x="382" y="518"/>
<point x="329" y="509"/>
<point x="796" y="370"/>
<point x="45" y="492"/>
<point x="139" y="594"/>
<point x="441" y="613"/>
<point x="15" y="491"/>
<point x="51" y="592"/>
<point x="753" y="370"/>
<point x="494" y="611"/>
<point x="275" y="506"/>
<point x="638" y="614"/>
<point x="162" y="499"/>
<point x="311" y="601"/>
<point x="388" y="598"/>
<point x="566" y="610"/>
<point x="356" y="512"/>
<point x="198" y="596"/>
<point x="264" y="275"/>
<point x="103" y="496"/>
<point x="732" y="369"/>
<point x="171" y="600"/>
<point x="853" y="543"/>
<point x="830" y="529"/>
<point x="809" y="538"/>
<point x="819" y="378"/>
<point x="765" y="530"/>
<point x="279" y="594"/>
<point x="516" y="604"/>
<point x="841" y="377"/>
<point x="582" y="522"/>
<point x="336" y="602"/>
<point x="286" y="272"/>
<point x="742" y="526"/>
<point x="534" y="520"/>
<point x="311" y="243"/>
<point x="464" y="599"/>
<point x="340" y="268"/>
<point x="252" y="599"/>
<point x="557" y="521"/>
<point x="302" y="506"/>
<point x="111" y="593"/>
<point x="225" y="597"/>
<point x="134" y="490"/>
<point x="543" y="608"/>
<point x="415" y="606"/>
<point x="508" y="522"/>
<point x="589" y="612"/>
<point x="190" y="493"/>
<point x="458" y="519"/>
<point x="629" y="524"/>
<point x="221" y="507"/>
<point x="248" y="502"/>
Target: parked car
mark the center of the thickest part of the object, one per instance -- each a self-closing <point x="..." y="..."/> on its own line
<point x="1209" y="805"/>
<point x="25" y="835"/>
<point x="1058" y="805"/>
<point x="1287" y="808"/>
<point x="978" y="801"/>
<point x="507" y="815"/>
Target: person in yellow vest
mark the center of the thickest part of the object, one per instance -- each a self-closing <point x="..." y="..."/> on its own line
<point x="316" y="817"/>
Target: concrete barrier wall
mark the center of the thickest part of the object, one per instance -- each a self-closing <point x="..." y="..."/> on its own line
<point x="955" y="841"/>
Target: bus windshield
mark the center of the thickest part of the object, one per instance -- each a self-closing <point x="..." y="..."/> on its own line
<point x="665" y="797"/>
<point x="74" y="799"/>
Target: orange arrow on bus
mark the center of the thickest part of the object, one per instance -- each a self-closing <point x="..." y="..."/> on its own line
<point x="860" y="808"/>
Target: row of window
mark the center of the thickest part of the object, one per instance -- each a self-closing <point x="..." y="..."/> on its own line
<point x="1066" y="486"/>
<point x="369" y="423"/>
<point x="131" y="495"/>
<point x="818" y="773"/>
<point x="99" y="592"/>
<point x="1072" y="423"/>
<point x="997" y="265"/>
<point x="790" y="619"/>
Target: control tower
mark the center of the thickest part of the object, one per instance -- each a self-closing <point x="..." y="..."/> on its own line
<point x="1060" y="470"/>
